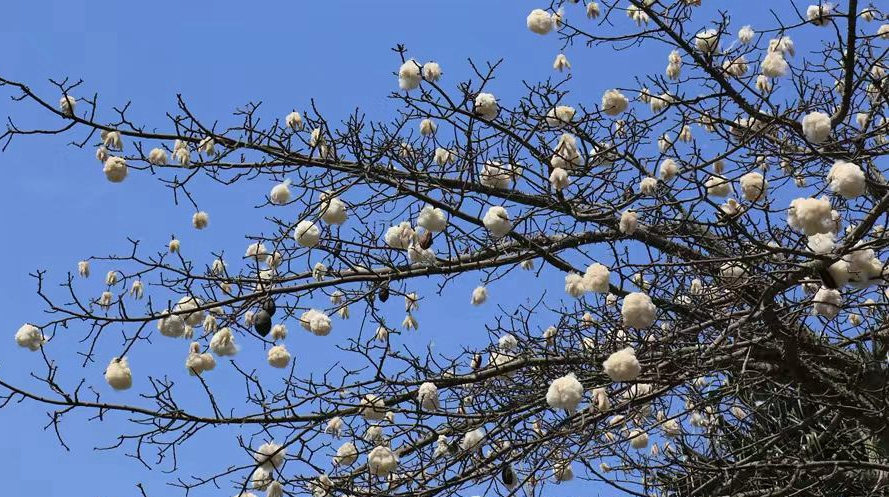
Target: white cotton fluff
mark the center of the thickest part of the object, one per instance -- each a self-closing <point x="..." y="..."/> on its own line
<point x="540" y="21"/>
<point x="335" y="427"/>
<point x="427" y="397"/>
<point x="746" y="34"/>
<point x="479" y="295"/>
<point x="279" y="331"/>
<point x="196" y="362"/>
<point x="260" y="479"/>
<point x="846" y="179"/>
<point x="669" y="169"/>
<point x="111" y="278"/>
<point x="559" y="179"/>
<point x="256" y="251"/>
<point x="83" y="268"/>
<point x="346" y="455"/>
<point x="118" y="374"/>
<point x="278" y="356"/>
<point x="200" y="220"/>
<point x="754" y="186"/>
<point x="560" y="116"/>
<point x="629" y="221"/>
<point x="29" y="337"/>
<point x="736" y="67"/>
<point x="112" y="140"/>
<point x="223" y="343"/>
<point x="472" y="439"/>
<point x="707" y="41"/>
<point x="648" y="186"/>
<point x="188" y="303"/>
<point x="399" y="236"/>
<point x="819" y="15"/>
<point x="137" y="290"/>
<point x="811" y="215"/>
<point x="67" y="104"/>
<point x="638" y="311"/>
<point x="822" y="243"/>
<point x="600" y="397"/>
<point x="428" y="127"/>
<point x="431" y="71"/>
<point x="622" y="365"/>
<point x="157" y="156"/>
<point x="381" y="461"/>
<point x="208" y="146"/>
<point x="816" y="127"/>
<point x="595" y="279"/>
<point x="183" y="156"/>
<point x="275" y="489"/>
<point x="443" y="156"/>
<point x="827" y="302"/>
<point x="432" y="219"/>
<point x="732" y="273"/>
<point x="497" y="221"/>
<point x="638" y="439"/>
<point x="373" y="434"/>
<point x="316" y="322"/>
<point x="593" y="10"/>
<point x="763" y="84"/>
<point x="171" y="325"/>
<point x="486" y="106"/>
<point x="718" y="186"/>
<point x="565" y="393"/>
<point x="115" y="169"/>
<point x="333" y="209"/>
<point x="306" y="234"/>
<point x="774" y="65"/>
<point x="883" y="31"/>
<point x="294" y="121"/>
<point x="614" y="102"/>
<point x="270" y="455"/>
<point x="562" y="471"/>
<point x="102" y="154"/>
<point x="497" y="175"/>
<point x="409" y="75"/>
<point x="561" y="63"/>
<point x="373" y="407"/>
<point x="280" y="193"/>
<point x="574" y="285"/>
<point x="508" y="343"/>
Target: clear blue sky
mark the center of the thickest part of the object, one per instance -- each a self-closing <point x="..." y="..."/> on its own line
<point x="57" y="208"/>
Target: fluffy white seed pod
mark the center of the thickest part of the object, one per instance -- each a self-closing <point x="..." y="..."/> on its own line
<point x="736" y="67"/>
<point x="115" y="169"/>
<point x="473" y="439"/>
<point x="479" y="295"/>
<point x="668" y="170"/>
<point x="294" y="121"/>
<point x="270" y="455"/>
<point x="346" y="455"/>
<point x="207" y="145"/>
<point x="157" y="156"/>
<point x="316" y="138"/>
<point x="718" y="186"/>
<point x="432" y="219"/>
<point x="497" y="175"/>
<point x="335" y="427"/>
<point x="486" y="106"/>
<point x="638" y="439"/>
<point x="223" y="343"/>
<point x="638" y="311"/>
<point x="774" y="65"/>
<point x="629" y="221"/>
<point x="883" y="32"/>
<point x="574" y="285"/>
<point x="562" y="471"/>
<point x="614" y="102"/>
<point x="279" y="331"/>
<point x="400" y="236"/>
<point x="306" y="234"/>
<point x="707" y="41"/>
<point x="595" y="279"/>
<point x="754" y="186"/>
<point x="373" y="434"/>
<point x="275" y="489"/>
<point x="497" y="221"/>
<point x="540" y="21"/>
<point x="622" y="365"/>
<point x="821" y="243"/>
<point x="565" y="393"/>
<point x="783" y="44"/>
<point x="196" y="362"/>
<point x="183" y="156"/>
<point x="443" y="156"/>
<point x="508" y="343"/>
<point x="601" y="400"/>
<point x="171" y="325"/>
<point x="316" y="322"/>
<point x="333" y="209"/>
<point x="816" y="127"/>
<point x="431" y="71"/>
<point x="561" y="63"/>
<point x="188" y="303"/>
<point x="827" y="302"/>
<point x="118" y="374"/>
<point x="200" y="220"/>
<point x="811" y="215"/>
<point x="381" y="461"/>
<point x="559" y="116"/>
<point x="427" y="397"/>
<point x="67" y="104"/>
<point x="819" y="15"/>
<point x="428" y="127"/>
<point x="409" y="75"/>
<point x="763" y="84"/>
<point x="846" y="179"/>
<point x="373" y="407"/>
<point x="280" y="193"/>
<point x="648" y="186"/>
<point x="112" y="140"/>
<point x="260" y="479"/>
<point x="102" y="154"/>
<point x="278" y="356"/>
<point x="592" y="10"/>
<point x="746" y="34"/>
<point x="559" y="179"/>
<point x="257" y="251"/>
<point x="83" y="268"/>
<point x="111" y="278"/>
<point x="137" y="290"/>
<point x="29" y="337"/>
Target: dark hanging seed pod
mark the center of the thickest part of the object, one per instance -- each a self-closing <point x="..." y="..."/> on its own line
<point x="384" y="292"/>
<point x="262" y="322"/>
<point x="269" y="306"/>
<point x="426" y="240"/>
<point x="507" y="475"/>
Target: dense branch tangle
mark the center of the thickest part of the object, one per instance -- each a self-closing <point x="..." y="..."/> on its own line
<point x="743" y="390"/>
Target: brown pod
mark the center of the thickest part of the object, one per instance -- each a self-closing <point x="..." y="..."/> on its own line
<point x="384" y="292"/>
<point x="426" y="240"/>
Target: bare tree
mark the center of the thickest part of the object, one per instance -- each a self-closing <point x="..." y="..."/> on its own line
<point x="720" y="226"/>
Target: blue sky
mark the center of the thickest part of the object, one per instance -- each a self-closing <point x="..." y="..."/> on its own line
<point x="58" y="208"/>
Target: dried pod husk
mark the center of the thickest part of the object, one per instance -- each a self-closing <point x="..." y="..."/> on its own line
<point x="269" y="306"/>
<point x="262" y="322"/>
<point x="384" y="292"/>
<point x="426" y="240"/>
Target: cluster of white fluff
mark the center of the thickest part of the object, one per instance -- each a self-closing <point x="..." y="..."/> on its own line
<point x="629" y="221"/>
<point x="115" y="169"/>
<point x="816" y="127"/>
<point x="669" y="169"/>
<point x="674" y="65"/>
<point x="560" y="116"/>
<point x="559" y="179"/>
<point x="746" y="34"/>
<point x="316" y="322"/>
<point x="83" y="268"/>
<point x="638" y="311"/>
<point x="137" y="289"/>
<point x="753" y="186"/>
<point x="112" y="140"/>
<point x="622" y="365"/>
<point x="574" y="285"/>
<point x="595" y="279"/>
<point x="431" y="71"/>
<point x="846" y="179"/>
<point x="307" y="234"/>
<point x="428" y="127"/>
<point x="614" y="102"/>
<point x="157" y="156"/>
<point x="270" y="456"/>
<point x="497" y="221"/>
<point x="733" y="273"/>
<point x="443" y="156"/>
<point x="637" y="15"/>
<point x="432" y="219"/>
<point x="200" y="220"/>
<point x="819" y="15"/>
<point x="774" y="65"/>
<point x="565" y="393"/>
<point x="718" y="186"/>
<point x="707" y="41"/>
<point x="197" y="362"/>
<point x="278" y="356"/>
<point x="409" y="75"/>
<point x="118" y="374"/>
<point x="497" y="175"/>
<point x="223" y="343"/>
<point x="29" y="337"/>
<point x="827" y="302"/>
<point x="473" y="439"/>
<point x="811" y="215"/>
<point x="280" y="193"/>
<point x="346" y="455"/>
<point x="562" y="471"/>
<point x="333" y="209"/>
<point x="566" y="155"/>
<point x="427" y="396"/>
<point x="860" y="268"/>
<point x="335" y="427"/>
<point x="736" y="67"/>
<point x="479" y="295"/>
<point x="540" y="21"/>
<point x="381" y="461"/>
<point x="561" y="63"/>
<point x="373" y="407"/>
<point x="67" y="105"/>
<point x="486" y="106"/>
<point x="190" y="303"/>
<point x="399" y="236"/>
<point x="171" y="325"/>
<point x="638" y="439"/>
<point x="294" y="121"/>
<point x="648" y="186"/>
